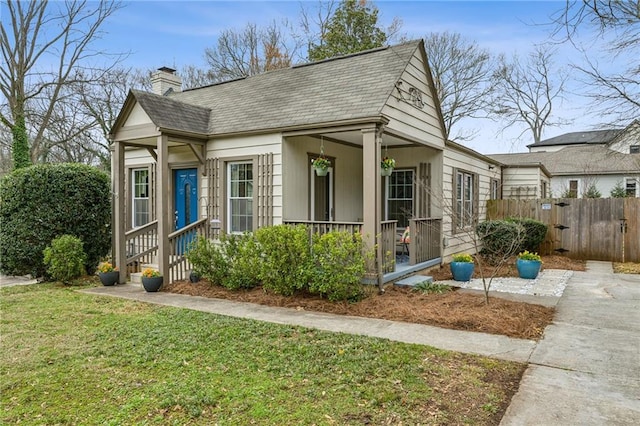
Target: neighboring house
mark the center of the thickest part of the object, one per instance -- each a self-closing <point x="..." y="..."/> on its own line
<point x="576" y="163"/>
<point x="236" y="156"/>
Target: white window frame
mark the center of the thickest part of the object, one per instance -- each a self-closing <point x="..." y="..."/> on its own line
<point x="135" y="199"/>
<point x="578" y="187"/>
<point x="231" y="197"/>
<point x="388" y="192"/>
<point x="464" y="199"/>
<point x="636" y="183"/>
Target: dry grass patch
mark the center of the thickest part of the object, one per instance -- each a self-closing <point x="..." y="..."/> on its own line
<point x="626" y="268"/>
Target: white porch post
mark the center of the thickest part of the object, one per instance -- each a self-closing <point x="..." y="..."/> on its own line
<point x="118" y="211"/>
<point x="371" y="194"/>
<point x="162" y="206"/>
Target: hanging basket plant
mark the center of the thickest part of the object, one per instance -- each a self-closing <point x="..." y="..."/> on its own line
<point x="321" y="165"/>
<point x="386" y="166"/>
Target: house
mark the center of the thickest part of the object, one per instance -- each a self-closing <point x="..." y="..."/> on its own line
<point x="575" y="164"/>
<point x="235" y="156"/>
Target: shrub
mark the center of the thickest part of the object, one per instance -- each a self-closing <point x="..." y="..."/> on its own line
<point x="243" y="256"/>
<point x="286" y="258"/>
<point x="592" y="192"/>
<point x="500" y="238"/>
<point x="339" y="266"/>
<point x="42" y="202"/>
<point x="618" y="191"/>
<point x="534" y="233"/>
<point x="208" y="260"/>
<point x="65" y="258"/>
<point x="462" y="257"/>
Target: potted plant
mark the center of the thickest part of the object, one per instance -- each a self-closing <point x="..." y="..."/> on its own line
<point x="462" y="267"/>
<point x="151" y="280"/>
<point x="108" y="274"/>
<point x="386" y="166"/>
<point x="528" y="265"/>
<point x="321" y="165"/>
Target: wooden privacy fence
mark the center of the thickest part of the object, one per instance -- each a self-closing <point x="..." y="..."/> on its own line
<point x="588" y="229"/>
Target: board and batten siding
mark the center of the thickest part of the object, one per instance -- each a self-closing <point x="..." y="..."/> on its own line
<point x="455" y="159"/>
<point x="421" y="124"/>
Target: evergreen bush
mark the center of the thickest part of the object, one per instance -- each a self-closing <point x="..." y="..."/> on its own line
<point x="500" y="238"/>
<point x="339" y="266"/>
<point x="42" y="202"/>
<point x="286" y="259"/>
<point x="534" y="233"/>
<point x="65" y="258"/>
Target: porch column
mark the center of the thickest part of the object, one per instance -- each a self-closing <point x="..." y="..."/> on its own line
<point x="118" y="210"/>
<point x="371" y="194"/>
<point x="162" y="206"/>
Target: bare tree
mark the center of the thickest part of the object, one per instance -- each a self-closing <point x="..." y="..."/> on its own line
<point x="616" y="95"/>
<point x="462" y="74"/>
<point x="526" y="91"/>
<point x="46" y="48"/>
<point x="250" y="51"/>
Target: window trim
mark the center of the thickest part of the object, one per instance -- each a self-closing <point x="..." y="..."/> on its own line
<point x="132" y="173"/>
<point x="636" y="184"/>
<point x="495" y="189"/>
<point x="457" y="226"/>
<point x="634" y="149"/>
<point x="227" y="195"/>
<point x="577" y="193"/>
<point x="387" y="191"/>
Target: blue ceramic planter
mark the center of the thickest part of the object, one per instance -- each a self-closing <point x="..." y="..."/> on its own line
<point x="462" y="271"/>
<point x="528" y="269"/>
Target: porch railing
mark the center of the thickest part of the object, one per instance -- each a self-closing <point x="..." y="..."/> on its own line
<point x="141" y="246"/>
<point x="388" y="239"/>
<point x="425" y="235"/>
<point x="179" y="242"/>
<point x="320" y="227"/>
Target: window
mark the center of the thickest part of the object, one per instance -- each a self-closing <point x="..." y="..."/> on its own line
<point x="634" y="149"/>
<point x="543" y="189"/>
<point x="240" y="198"/>
<point x="140" y="190"/>
<point x="573" y="189"/>
<point x="631" y="187"/>
<point x="400" y="197"/>
<point x="464" y="199"/>
<point x="495" y="189"/>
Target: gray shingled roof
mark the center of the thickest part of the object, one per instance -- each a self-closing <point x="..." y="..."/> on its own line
<point x="575" y="160"/>
<point x="580" y="138"/>
<point x="348" y="87"/>
<point x="168" y="113"/>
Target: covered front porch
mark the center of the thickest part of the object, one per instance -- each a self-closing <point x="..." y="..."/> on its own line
<point x="356" y="196"/>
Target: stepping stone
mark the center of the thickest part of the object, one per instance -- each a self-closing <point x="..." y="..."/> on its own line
<point x="413" y="281"/>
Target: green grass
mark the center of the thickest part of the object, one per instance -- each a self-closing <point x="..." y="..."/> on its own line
<point x="73" y="358"/>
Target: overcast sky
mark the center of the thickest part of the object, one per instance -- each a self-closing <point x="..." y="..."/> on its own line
<point x="176" y="33"/>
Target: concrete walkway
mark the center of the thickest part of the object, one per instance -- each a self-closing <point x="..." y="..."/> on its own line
<point x="7" y="281"/>
<point x="586" y="369"/>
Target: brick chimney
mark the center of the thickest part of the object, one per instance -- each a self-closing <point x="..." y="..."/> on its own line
<point x="165" y="81"/>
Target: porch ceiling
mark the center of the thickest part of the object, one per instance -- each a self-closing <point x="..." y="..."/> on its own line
<point x="354" y="137"/>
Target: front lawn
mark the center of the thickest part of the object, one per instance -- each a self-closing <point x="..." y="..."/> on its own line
<point x="73" y="358"/>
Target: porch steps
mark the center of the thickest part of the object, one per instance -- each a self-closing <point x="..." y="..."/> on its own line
<point x="413" y="281"/>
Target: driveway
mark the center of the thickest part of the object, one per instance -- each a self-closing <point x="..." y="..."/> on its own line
<point x="586" y="369"/>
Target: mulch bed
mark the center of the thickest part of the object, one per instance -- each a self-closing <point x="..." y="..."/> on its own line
<point x="454" y="310"/>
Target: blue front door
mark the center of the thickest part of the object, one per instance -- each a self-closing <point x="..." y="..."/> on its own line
<point x="186" y="204"/>
<point x="186" y="196"/>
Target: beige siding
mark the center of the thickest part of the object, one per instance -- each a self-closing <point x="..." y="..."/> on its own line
<point x="137" y="117"/>
<point x="522" y="182"/>
<point x="421" y="124"/>
<point x="297" y="176"/>
<point x="248" y="148"/>
<point x="462" y="241"/>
